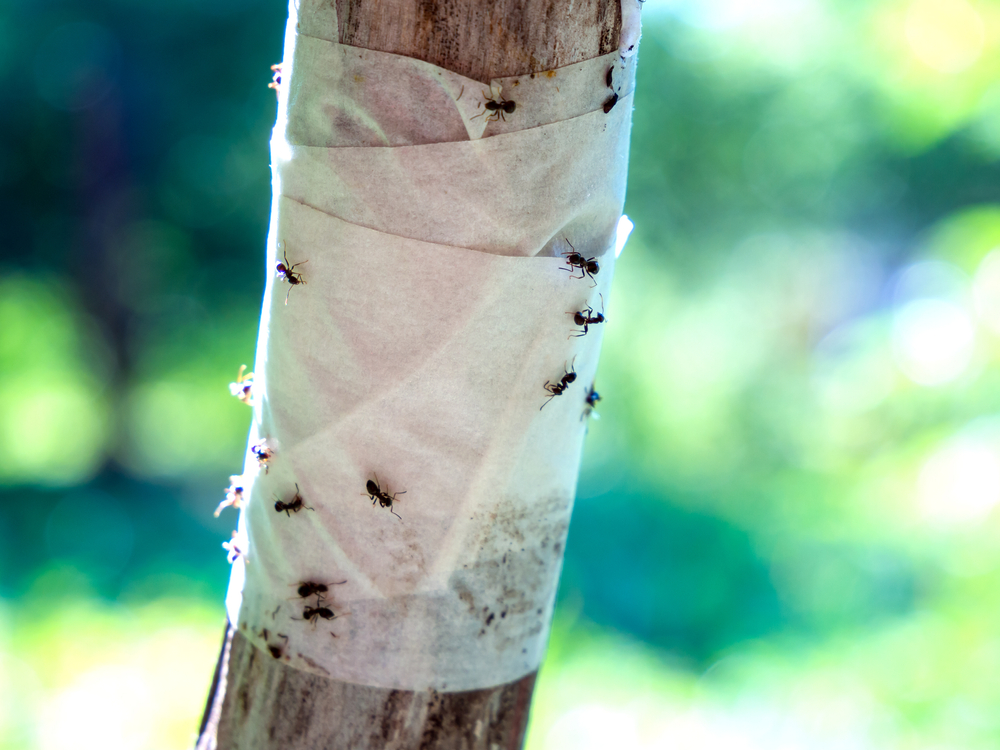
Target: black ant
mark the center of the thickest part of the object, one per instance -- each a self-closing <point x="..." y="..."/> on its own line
<point x="557" y="389"/>
<point x="275" y="79"/>
<point x="610" y="103"/>
<point x="586" y="318"/>
<point x="588" y="266"/>
<point x="286" y="272"/>
<point x="262" y="453"/>
<point x="314" y="613"/>
<point x="243" y="386"/>
<point x="384" y="499"/>
<point x="234" y="496"/>
<point x="609" y="78"/>
<point x="497" y="108"/>
<point x="295" y="505"/>
<point x="592" y="398"/>
<point x="309" y="588"/>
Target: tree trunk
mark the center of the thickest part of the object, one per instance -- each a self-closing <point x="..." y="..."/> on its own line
<point x="266" y="693"/>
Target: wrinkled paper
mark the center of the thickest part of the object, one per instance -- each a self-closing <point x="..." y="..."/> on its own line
<point x="437" y="304"/>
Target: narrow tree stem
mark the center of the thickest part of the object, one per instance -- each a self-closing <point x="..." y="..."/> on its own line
<point x="261" y="702"/>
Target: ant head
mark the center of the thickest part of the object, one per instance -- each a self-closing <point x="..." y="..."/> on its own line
<point x="280" y="268"/>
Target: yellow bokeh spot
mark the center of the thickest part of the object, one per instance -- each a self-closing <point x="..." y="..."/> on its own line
<point x="946" y="35"/>
<point x="54" y="416"/>
<point x="183" y="426"/>
<point x="52" y="430"/>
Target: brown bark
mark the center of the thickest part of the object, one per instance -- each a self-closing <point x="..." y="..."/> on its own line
<point x="275" y="706"/>
<point x="484" y="40"/>
<point x="259" y="702"/>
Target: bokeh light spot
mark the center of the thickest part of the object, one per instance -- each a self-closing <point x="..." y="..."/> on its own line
<point x="105" y="709"/>
<point x="930" y="279"/>
<point x="946" y="35"/>
<point x="181" y="427"/>
<point x="960" y="482"/>
<point x="593" y="728"/>
<point x="52" y="431"/>
<point x="933" y="341"/>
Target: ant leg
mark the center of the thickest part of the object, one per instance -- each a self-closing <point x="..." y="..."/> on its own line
<point x="287" y="293"/>
<point x="571" y="269"/>
<point x="395" y="513"/>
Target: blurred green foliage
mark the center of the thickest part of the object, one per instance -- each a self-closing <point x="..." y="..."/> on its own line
<point x="786" y="529"/>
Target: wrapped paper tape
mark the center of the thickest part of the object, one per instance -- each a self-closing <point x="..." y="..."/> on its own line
<point x="432" y="348"/>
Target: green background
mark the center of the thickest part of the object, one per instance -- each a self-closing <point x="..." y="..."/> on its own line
<point x="785" y="533"/>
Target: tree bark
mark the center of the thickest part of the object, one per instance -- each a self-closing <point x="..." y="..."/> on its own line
<point x="484" y="40"/>
<point x="260" y="702"/>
